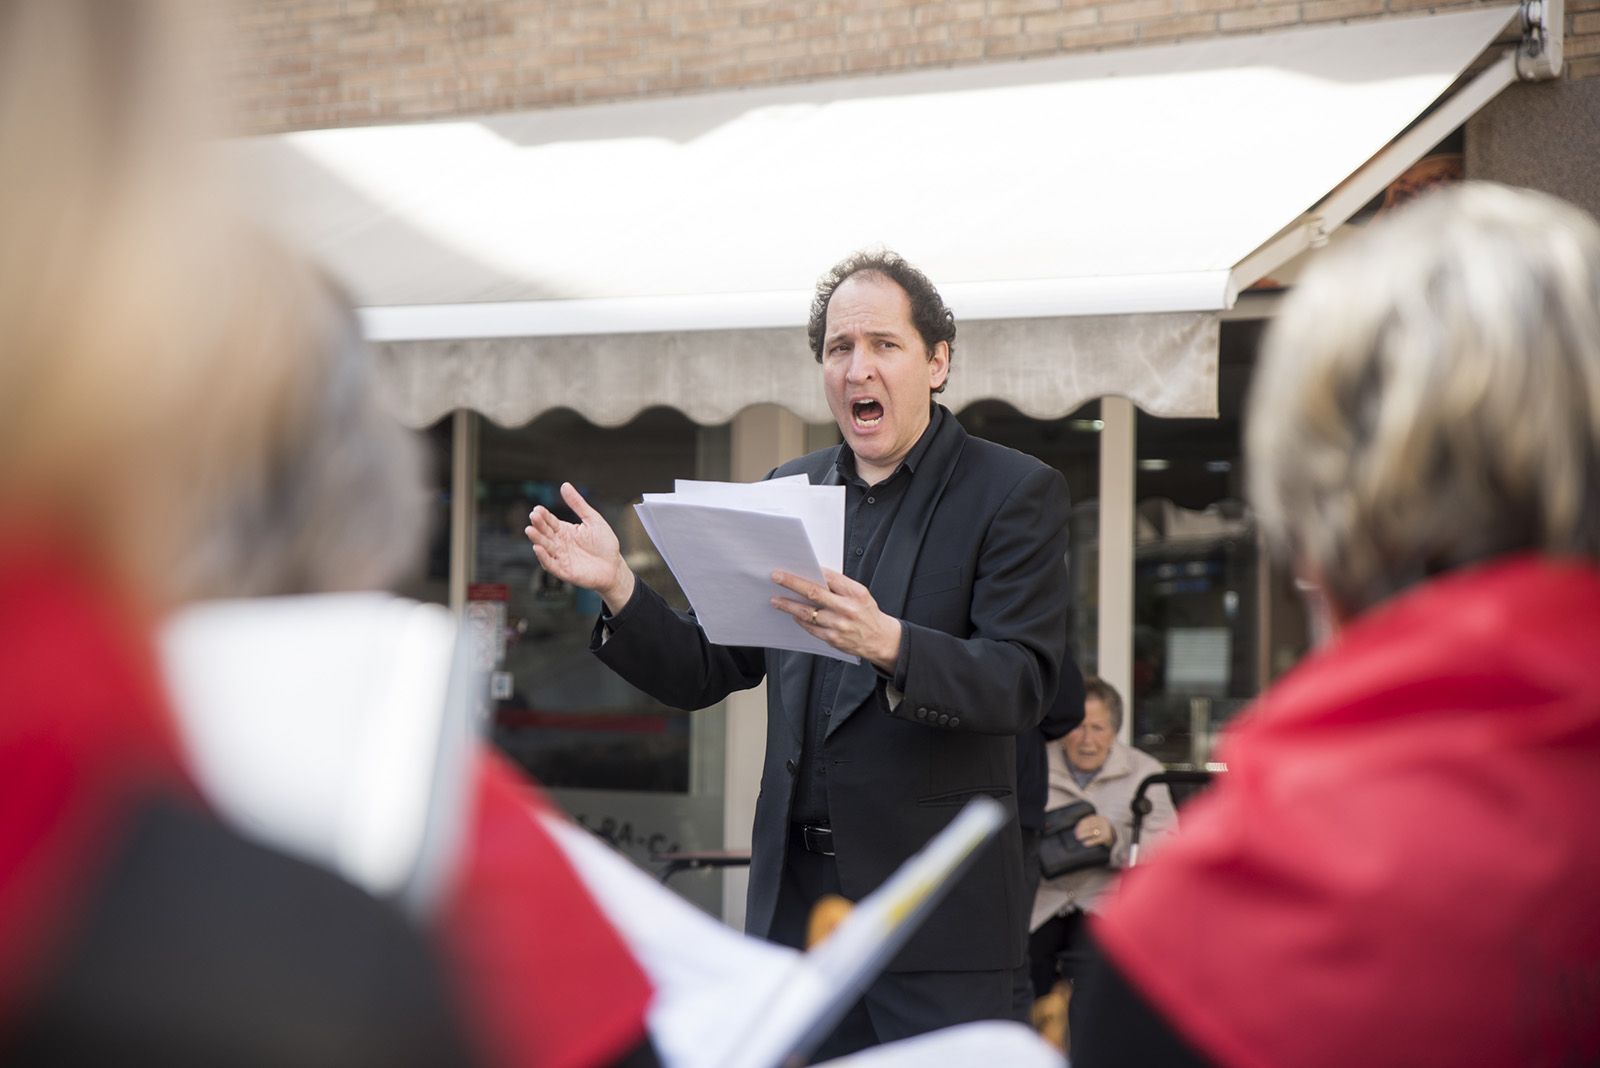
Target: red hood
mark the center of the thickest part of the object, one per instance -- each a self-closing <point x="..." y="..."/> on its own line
<point x="83" y="729"/>
<point x="1400" y="862"/>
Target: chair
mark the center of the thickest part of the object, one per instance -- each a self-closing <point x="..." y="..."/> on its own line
<point x="1183" y="785"/>
<point x="673" y="863"/>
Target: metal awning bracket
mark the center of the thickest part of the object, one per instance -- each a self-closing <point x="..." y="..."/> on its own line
<point x="1313" y="228"/>
<point x="1539" y="54"/>
<point x="1316" y="231"/>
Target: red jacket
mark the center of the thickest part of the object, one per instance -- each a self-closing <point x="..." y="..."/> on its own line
<point x="1401" y="865"/>
<point x="85" y="732"/>
<point x="550" y="982"/>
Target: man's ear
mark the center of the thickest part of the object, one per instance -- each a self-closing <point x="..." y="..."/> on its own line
<point x="938" y="365"/>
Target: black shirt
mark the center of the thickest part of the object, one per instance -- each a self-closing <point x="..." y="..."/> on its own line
<point x="869" y="512"/>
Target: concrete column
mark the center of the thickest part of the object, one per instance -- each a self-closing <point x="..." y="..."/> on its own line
<point x="763" y="437"/>
<point x="1118" y="450"/>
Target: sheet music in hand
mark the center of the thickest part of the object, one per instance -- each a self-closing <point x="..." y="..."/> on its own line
<point x="723" y="540"/>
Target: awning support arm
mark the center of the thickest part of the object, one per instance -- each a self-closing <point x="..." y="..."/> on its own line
<point x="1314" y="227"/>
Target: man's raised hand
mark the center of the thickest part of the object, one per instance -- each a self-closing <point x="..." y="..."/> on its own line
<point x="585" y="553"/>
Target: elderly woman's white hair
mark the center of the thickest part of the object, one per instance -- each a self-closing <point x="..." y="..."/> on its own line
<point x="1430" y="396"/>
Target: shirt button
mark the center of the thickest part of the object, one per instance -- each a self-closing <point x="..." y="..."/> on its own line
<point x="789" y="766"/>
<point x="872" y="500"/>
<point x="943" y="719"/>
<point x="955" y="721"/>
<point x="858" y="550"/>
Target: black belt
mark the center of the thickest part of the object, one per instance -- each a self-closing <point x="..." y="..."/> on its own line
<point x="813" y="838"/>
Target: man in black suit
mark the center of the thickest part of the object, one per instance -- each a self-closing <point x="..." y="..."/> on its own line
<point x="953" y="596"/>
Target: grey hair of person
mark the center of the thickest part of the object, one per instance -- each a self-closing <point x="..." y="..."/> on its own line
<point x="335" y="499"/>
<point x="1429" y="397"/>
<point x="1097" y="689"/>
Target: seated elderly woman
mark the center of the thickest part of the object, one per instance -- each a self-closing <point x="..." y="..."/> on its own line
<point x="1399" y="868"/>
<point x="1091" y="765"/>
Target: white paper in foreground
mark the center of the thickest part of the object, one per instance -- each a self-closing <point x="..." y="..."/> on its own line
<point x="847" y="961"/>
<point x="985" y="1044"/>
<point x="723" y="1000"/>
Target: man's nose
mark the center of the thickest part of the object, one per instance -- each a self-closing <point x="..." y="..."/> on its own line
<point x="861" y="368"/>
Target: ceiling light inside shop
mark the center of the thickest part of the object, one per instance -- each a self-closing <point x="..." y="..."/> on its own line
<point x="1088" y="426"/>
<point x="1154" y="465"/>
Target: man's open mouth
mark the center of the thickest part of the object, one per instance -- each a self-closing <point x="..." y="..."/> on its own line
<point x="866" y="412"/>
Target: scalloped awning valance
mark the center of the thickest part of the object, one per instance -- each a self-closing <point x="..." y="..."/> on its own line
<point x="1042" y="367"/>
<point x="1086" y="217"/>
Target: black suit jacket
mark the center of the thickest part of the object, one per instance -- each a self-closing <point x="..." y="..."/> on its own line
<point x="973" y="568"/>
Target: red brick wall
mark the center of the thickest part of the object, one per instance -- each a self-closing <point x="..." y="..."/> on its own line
<point x="315" y="63"/>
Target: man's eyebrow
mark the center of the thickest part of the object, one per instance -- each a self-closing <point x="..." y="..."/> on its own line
<point x="892" y="334"/>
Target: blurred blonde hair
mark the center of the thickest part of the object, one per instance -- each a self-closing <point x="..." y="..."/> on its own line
<point x="329" y="493"/>
<point x="1430" y="396"/>
<point x="155" y="352"/>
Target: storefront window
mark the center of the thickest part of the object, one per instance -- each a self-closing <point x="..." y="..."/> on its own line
<point x="1213" y="622"/>
<point x="647" y="777"/>
<point x="1072" y="446"/>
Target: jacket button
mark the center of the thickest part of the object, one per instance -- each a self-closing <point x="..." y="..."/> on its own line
<point x="955" y="721"/>
<point x="790" y="765"/>
<point x="943" y="719"/>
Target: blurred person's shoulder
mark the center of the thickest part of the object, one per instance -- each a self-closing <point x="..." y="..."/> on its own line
<point x="194" y="946"/>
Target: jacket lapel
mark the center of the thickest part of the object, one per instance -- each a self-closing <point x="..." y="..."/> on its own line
<point x="794" y="669"/>
<point x="892" y="579"/>
<point x="794" y="686"/>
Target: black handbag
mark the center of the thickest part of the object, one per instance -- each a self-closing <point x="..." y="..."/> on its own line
<point x="1060" y="852"/>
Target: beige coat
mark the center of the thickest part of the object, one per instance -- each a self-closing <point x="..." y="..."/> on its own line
<point x="1111" y="793"/>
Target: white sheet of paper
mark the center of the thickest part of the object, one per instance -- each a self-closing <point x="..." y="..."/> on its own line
<point x="820" y="508"/>
<point x="723" y="558"/>
<point x="844" y="963"/>
<point x="693" y="485"/>
<point x="647" y="520"/>
<point x="724" y="1000"/>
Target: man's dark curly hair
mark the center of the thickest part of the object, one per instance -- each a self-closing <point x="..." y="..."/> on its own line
<point x="934" y="321"/>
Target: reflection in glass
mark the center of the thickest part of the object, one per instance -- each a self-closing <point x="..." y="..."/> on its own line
<point x="1213" y="621"/>
<point x="558" y="711"/>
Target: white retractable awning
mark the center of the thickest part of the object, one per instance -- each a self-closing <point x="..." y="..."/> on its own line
<point x="1086" y="217"/>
